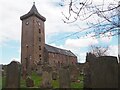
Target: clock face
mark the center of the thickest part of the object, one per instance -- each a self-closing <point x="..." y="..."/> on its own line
<point x="27" y="23"/>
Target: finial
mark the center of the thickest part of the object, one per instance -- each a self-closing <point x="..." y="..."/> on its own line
<point x="33" y="3"/>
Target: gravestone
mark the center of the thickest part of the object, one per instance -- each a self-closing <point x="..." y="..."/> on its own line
<point x="102" y="72"/>
<point x="46" y="80"/>
<point x="0" y="70"/>
<point x="64" y="78"/>
<point x="13" y="75"/>
<point x="119" y="75"/>
<point x="29" y="82"/>
<point x="0" y="77"/>
<point x="54" y="75"/>
<point x="74" y="73"/>
<point x="87" y="76"/>
<point x="47" y="68"/>
<point x="39" y="70"/>
<point x="24" y="73"/>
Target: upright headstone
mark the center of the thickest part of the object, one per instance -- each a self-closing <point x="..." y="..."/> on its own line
<point x="39" y="70"/>
<point x="0" y="77"/>
<point x="102" y="73"/>
<point x="0" y="70"/>
<point x="119" y="75"/>
<point x="54" y="75"/>
<point x="64" y="78"/>
<point x="13" y="75"/>
<point x="46" y="80"/>
<point x="24" y="73"/>
<point x="74" y="73"/>
<point x="29" y="82"/>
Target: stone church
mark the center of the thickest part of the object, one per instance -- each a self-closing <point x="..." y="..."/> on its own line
<point x="34" y="51"/>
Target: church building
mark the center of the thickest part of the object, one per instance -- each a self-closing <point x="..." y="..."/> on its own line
<point x="34" y="51"/>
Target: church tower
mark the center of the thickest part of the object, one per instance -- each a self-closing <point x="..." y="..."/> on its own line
<point x="33" y="39"/>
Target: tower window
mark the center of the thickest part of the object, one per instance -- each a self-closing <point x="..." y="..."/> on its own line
<point x="39" y="39"/>
<point x="40" y="59"/>
<point x="39" y="47"/>
<point x="39" y="55"/>
<point x="39" y="30"/>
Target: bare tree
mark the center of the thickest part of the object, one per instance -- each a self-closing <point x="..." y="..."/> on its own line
<point x="108" y="15"/>
<point x="99" y="50"/>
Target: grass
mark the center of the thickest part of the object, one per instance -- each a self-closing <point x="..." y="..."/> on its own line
<point x="22" y="83"/>
<point x="78" y="85"/>
<point x="37" y="79"/>
<point x="55" y="83"/>
<point x="0" y="82"/>
<point x="37" y="82"/>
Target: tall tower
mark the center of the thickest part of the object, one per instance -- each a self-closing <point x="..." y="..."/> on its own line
<point x="33" y="39"/>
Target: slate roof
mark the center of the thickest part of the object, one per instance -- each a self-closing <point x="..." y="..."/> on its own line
<point x="33" y="11"/>
<point x="58" y="50"/>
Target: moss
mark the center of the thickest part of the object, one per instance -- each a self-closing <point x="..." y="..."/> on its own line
<point x="2" y="84"/>
<point x="55" y="83"/>
<point x="78" y="84"/>
<point x="22" y="83"/>
<point x="37" y="79"/>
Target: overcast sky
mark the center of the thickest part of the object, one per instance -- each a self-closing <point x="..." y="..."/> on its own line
<point x="55" y="29"/>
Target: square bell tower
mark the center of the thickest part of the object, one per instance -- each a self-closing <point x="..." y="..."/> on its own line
<point x="32" y="39"/>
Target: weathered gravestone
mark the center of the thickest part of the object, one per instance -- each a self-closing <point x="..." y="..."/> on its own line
<point x="0" y="76"/>
<point x="0" y="70"/>
<point x="102" y="72"/>
<point x="74" y="73"/>
<point x="54" y="75"/>
<point x="46" y="80"/>
<point x="87" y="77"/>
<point x="39" y="70"/>
<point x="13" y="75"/>
<point x="64" y="78"/>
<point x="119" y="75"/>
<point x="29" y="82"/>
<point x="24" y="73"/>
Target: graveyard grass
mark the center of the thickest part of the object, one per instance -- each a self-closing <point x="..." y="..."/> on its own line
<point x="3" y="79"/>
<point x="37" y="82"/>
<point x="78" y="85"/>
<point x="0" y="82"/>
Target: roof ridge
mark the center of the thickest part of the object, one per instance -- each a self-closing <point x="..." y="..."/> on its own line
<point x="57" y="47"/>
<point x="53" y="49"/>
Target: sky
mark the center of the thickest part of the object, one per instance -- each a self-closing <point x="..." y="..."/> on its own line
<point x="55" y="30"/>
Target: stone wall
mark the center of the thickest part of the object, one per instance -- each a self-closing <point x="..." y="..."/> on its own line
<point x="56" y="59"/>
